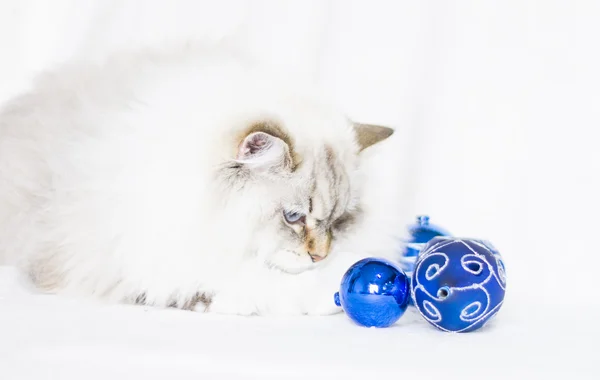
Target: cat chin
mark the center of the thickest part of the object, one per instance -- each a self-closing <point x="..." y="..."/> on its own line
<point x="291" y="263"/>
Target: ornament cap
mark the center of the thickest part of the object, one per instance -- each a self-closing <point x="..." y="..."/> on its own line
<point x="423" y="220"/>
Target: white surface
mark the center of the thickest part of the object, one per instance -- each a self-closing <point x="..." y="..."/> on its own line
<point x="497" y="104"/>
<point x="47" y="337"/>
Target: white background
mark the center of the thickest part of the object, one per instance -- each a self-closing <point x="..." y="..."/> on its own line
<point x="497" y="107"/>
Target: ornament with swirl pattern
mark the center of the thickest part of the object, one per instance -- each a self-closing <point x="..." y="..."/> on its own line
<point x="458" y="284"/>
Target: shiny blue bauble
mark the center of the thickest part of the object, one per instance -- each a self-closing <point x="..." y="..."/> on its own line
<point x="458" y="284"/>
<point x="374" y="292"/>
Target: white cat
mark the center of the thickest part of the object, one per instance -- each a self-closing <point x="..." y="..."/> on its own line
<point x="186" y="178"/>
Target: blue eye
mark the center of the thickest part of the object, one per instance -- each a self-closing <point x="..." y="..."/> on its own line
<point x="293" y="217"/>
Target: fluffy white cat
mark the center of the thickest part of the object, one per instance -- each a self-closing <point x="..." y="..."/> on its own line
<point x="188" y="178"/>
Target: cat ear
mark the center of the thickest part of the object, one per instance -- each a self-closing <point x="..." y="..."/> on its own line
<point x="368" y="134"/>
<point x="262" y="151"/>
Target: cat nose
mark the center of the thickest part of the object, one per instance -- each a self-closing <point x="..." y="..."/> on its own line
<point x="318" y="243"/>
<point x="315" y="258"/>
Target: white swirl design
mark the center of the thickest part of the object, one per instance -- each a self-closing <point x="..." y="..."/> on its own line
<point x="432" y="271"/>
<point x="501" y="272"/>
<point x="469" y="311"/>
<point x="435" y="268"/>
<point x="433" y="314"/>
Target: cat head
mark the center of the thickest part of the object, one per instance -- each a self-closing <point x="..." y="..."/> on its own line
<point x="299" y="187"/>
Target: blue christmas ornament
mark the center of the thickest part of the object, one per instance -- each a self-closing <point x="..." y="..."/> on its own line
<point x="374" y="292"/>
<point x="458" y="284"/>
<point x="420" y="234"/>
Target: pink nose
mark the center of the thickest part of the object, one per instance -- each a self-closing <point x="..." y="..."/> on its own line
<point x="315" y="258"/>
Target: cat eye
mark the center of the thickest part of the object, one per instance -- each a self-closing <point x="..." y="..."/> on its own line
<point x="343" y="222"/>
<point x="293" y="217"/>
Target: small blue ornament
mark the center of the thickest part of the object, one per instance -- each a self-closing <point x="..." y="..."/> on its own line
<point x="374" y="292"/>
<point x="420" y="234"/>
<point x="458" y="284"/>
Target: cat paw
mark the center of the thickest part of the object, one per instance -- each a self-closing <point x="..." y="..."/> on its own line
<point x="323" y="309"/>
<point x="322" y="304"/>
<point x="231" y="305"/>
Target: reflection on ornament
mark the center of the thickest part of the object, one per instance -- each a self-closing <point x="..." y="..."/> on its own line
<point x="374" y="292"/>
